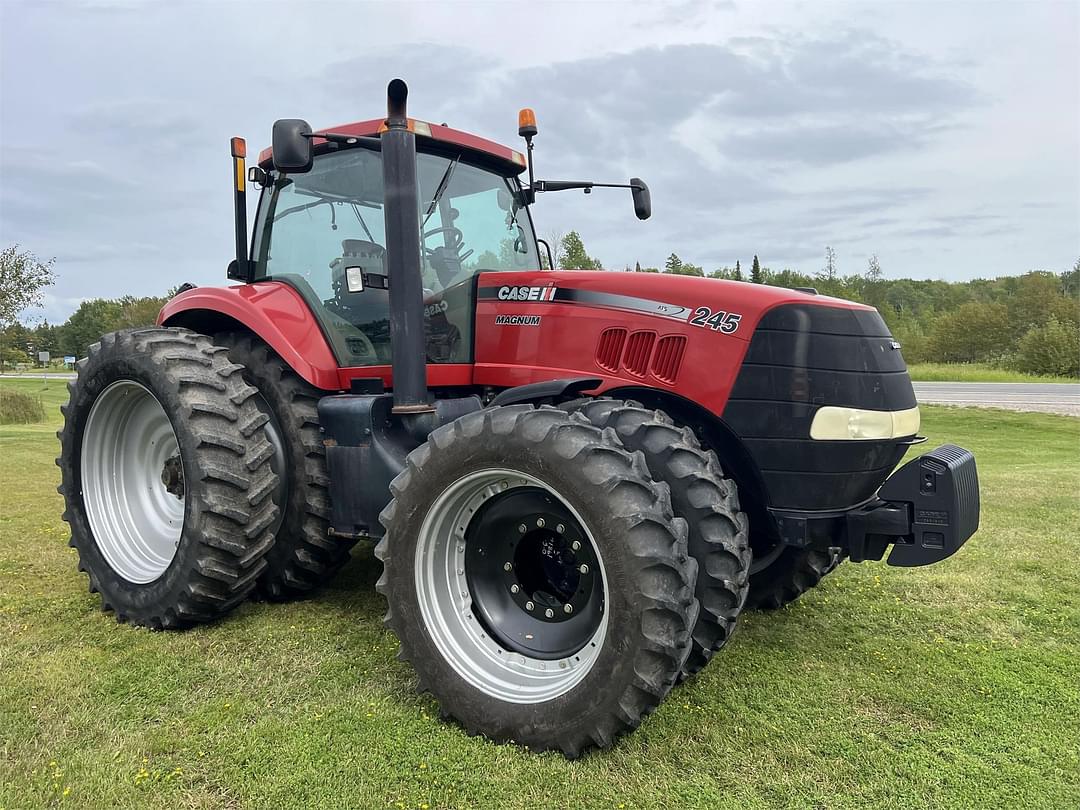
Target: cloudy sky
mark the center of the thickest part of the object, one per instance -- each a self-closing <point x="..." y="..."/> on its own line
<point x="942" y="136"/>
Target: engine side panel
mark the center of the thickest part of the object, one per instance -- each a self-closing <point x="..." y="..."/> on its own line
<point x="683" y="334"/>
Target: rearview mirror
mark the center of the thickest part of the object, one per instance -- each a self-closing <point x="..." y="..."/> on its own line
<point x="292" y="146"/>
<point x="642" y="198"/>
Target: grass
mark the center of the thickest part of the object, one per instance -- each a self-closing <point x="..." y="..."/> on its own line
<point x="949" y="686"/>
<point x="976" y="372"/>
<point x="20" y="407"/>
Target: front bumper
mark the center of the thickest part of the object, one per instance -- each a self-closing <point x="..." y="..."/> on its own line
<point x="925" y="510"/>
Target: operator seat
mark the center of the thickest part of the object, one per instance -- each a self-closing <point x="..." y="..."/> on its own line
<point x="362" y="305"/>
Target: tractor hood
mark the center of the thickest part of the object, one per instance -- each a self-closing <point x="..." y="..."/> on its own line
<point x="683" y="333"/>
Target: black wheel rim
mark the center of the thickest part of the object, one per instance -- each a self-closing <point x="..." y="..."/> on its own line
<point x="533" y="574"/>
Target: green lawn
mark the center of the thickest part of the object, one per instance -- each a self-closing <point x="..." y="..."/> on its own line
<point x="976" y="372"/>
<point x="950" y="686"/>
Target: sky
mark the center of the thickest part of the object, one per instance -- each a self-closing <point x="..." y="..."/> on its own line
<point x="943" y="137"/>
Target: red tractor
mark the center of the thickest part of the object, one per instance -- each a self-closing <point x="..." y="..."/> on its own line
<point x="576" y="480"/>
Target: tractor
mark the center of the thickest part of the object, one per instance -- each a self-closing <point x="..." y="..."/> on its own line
<point x="575" y="480"/>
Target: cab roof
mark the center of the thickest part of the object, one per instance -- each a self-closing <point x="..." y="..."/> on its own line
<point x="503" y="158"/>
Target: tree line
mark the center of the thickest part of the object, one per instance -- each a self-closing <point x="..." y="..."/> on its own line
<point x="1029" y="322"/>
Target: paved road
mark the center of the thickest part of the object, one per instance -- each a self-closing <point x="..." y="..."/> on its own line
<point x="1046" y="397"/>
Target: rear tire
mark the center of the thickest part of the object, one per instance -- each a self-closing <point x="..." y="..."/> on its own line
<point x="166" y="477"/>
<point x="304" y="555"/>
<point x="705" y="498"/>
<point x="620" y="662"/>
<point x="794" y="572"/>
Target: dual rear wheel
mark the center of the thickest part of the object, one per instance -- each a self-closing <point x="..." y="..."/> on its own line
<point x="552" y="573"/>
<point x="194" y="476"/>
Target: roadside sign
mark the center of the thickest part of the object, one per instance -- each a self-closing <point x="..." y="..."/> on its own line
<point x="69" y="359"/>
<point x="43" y="357"/>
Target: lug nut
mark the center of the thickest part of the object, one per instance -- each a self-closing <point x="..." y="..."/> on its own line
<point x="540" y="523"/>
<point x="508" y="567"/>
<point x="584" y="568"/>
<point x="568" y="608"/>
<point x="514" y="588"/>
<point x="549" y="613"/>
<point x="523" y="528"/>
<point x="560" y="528"/>
<point x="576" y="546"/>
<point x="529" y="605"/>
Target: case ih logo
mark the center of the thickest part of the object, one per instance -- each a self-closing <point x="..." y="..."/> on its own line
<point x="526" y="293"/>
<point x="517" y="320"/>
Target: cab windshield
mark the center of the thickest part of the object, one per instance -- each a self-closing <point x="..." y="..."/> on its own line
<point x="323" y="233"/>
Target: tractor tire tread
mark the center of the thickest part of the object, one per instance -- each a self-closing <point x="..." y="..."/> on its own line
<point x="304" y="556"/>
<point x="705" y="498"/>
<point x="221" y="558"/>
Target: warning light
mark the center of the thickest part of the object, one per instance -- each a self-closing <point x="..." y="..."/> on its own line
<point x="526" y="123"/>
<point x="239" y="148"/>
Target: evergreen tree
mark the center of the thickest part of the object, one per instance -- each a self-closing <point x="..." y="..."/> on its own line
<point x="756" y="275"/>
<point x="673" y="264"/>
<point x="738" y="271"/>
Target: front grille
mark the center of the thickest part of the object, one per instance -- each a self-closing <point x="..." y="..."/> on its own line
<point x="801" y="357"/>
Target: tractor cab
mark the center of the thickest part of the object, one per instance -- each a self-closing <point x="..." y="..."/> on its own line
<point x="323" y="233"/>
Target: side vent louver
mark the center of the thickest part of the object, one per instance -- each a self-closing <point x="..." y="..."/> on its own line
<point x="638" y="348"/>
<point x="668" y="358"/>
<point x="609" y="349"/>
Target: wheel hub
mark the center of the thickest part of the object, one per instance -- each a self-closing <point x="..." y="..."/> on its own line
<point x="549" y="573"/>
<point x="532" y="574"/>
<point x="172" y="476"/>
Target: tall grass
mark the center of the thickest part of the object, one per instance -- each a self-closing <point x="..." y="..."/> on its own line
<point x="976" y="372"/>
<point x="20" y="408"/>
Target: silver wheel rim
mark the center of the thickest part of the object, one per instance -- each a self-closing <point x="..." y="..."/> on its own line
<point x="132" y="482"/>
<point x="446" y="606"/>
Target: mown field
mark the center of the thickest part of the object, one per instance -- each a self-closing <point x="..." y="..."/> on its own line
<point x="956" y="685"/>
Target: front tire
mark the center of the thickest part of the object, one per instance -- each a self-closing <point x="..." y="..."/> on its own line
<point x="480" y="562"/>
<point x="166" y="477"/>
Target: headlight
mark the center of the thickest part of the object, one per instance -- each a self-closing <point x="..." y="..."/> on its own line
<point x="833" y="423"/>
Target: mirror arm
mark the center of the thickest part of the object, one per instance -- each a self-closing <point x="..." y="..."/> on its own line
<point x="565" y="185"/>
<point x="349" y="140"/>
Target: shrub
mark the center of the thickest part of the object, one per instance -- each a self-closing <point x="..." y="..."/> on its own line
<point x="19" y="408"/>
<point x="975" y="332"/>
<point x="1053" y="348"/>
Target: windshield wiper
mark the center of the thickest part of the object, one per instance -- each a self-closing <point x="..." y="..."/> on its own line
<point x="440" y="189"/>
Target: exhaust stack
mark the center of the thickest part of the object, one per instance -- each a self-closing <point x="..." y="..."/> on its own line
<point x="401" y="209"/>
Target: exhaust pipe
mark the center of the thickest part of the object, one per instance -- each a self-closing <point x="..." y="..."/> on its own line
<point x="401" y="208"/>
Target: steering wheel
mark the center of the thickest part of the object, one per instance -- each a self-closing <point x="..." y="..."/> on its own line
<point x="457" y="242"/>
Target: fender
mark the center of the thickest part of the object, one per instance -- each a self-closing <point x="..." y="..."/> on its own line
<point x="270" y="309"/>
<point x="546" y="391"/>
